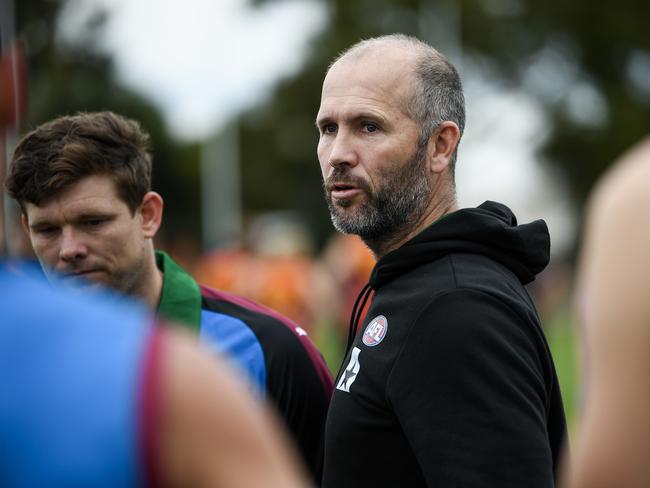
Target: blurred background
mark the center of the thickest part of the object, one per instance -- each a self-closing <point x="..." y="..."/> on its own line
<point x="229" y="89"/>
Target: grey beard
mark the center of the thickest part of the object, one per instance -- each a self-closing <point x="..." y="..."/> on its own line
<point x="392" y="209"/>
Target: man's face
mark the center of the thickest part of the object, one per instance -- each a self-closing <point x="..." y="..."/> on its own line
<point x="88" y="234"/>
<point x="374" y="172"/>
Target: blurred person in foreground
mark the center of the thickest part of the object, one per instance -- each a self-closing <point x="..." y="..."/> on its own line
<point x="83" y="183"/>
<point x="612" y="445"/>
<point x="449" y="380"/>
<point x="93" y="394"/>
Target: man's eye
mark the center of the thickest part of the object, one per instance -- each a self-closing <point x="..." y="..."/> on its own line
<point x="94" y="222"/>
<point x="368" y="127"/>
<point x="329" y="128"/>
<point x="46" y="230"/>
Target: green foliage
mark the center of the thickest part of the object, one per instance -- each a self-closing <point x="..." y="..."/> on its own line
<point x="562" y="336"/>
<point x="601" y="39"/>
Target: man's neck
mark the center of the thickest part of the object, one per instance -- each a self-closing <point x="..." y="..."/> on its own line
<point x="387" y="243"/>
<point x="150" y="289"/>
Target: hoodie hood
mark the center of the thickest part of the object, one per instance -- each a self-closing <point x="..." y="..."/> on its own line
<point x="490" y="229"/>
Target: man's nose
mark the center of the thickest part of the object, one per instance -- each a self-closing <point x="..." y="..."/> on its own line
<point x="343" y="151"/>
<point x="72" y="246"/>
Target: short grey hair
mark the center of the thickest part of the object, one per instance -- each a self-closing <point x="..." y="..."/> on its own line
<point x="438" y="92"/>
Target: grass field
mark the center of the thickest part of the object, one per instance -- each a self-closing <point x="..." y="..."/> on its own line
<point x="562" y="336"/>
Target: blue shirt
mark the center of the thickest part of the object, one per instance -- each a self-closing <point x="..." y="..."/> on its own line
<point x="70" y="372"/>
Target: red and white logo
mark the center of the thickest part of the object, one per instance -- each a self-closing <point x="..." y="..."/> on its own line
<point x="375" y="331"/>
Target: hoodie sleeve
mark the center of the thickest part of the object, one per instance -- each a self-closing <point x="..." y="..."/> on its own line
<point x="469" y="390"/>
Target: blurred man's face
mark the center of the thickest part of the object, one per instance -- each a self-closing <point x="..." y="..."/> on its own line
<point x="87" y="234"/>
<point x="374" y="173"/>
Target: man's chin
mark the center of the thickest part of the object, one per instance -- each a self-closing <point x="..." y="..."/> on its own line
<point x="85" y="280"/>
<point x="346" y="224"/>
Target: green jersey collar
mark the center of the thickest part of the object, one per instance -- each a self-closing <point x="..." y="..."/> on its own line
<point x="180" y="299"/>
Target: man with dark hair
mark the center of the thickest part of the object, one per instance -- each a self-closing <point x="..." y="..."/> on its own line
<point x="94" y="395"/>
<point x="449" y="381"/>
<point x="100" y="162"/>
<point x="84" y="185"/>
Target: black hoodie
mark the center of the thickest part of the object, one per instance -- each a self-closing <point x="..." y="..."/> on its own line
<point x="449" y="381"/>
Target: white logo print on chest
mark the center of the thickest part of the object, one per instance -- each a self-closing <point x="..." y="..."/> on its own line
<point x="351" y="371"/>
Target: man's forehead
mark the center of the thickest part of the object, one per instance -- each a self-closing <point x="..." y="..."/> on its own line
<point x="387" y="74"/>
<point x="384" y="57"/>
<point x="359" y="85"/>
<point x="88" y="195"/>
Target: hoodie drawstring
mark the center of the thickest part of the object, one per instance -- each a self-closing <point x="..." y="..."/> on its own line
<point x="357" y="310"/>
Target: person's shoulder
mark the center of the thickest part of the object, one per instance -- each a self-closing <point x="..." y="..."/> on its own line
<point x="464" y="300"/>
<point x="215" y="436"/>
<point x="624" y="188"/>
<point x="271" y="327"/>
<point x="614" y="277"/>
<point x="472" y="269"/>
<point x="462" y="271"/>
<point x="462" y="325"/>
<point x="258" y="317"/>
<point x="464" y="314"/>
<point x="617" y="232"/>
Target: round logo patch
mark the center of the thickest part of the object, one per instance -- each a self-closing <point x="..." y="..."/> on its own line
<point x="375" y="331"/>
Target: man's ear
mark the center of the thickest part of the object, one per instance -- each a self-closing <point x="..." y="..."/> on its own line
<point x="151" y="211"/>
<point x="441" y="146"/>
<point x="25" y="223"/>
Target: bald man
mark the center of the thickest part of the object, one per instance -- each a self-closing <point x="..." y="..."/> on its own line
<point x="448" y="380"/>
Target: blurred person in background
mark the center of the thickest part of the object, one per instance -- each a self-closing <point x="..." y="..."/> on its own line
<point x="277" y="254"/>
<point x="612" y="445"/>
<point x="350" y="263"/>
<point x="449" y="380"/>
<point x="83" y="183"/>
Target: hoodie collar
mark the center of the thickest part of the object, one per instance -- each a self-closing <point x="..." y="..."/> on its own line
<point x="490" y="229"/>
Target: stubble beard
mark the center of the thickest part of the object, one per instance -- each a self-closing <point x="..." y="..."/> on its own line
<point x="131" y="280"/>
<point x="388" y="212"/>
<point x="127" y="280"/>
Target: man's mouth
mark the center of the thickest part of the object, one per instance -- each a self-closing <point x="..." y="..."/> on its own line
<point x="78" y="273"/>
<point x="343" y="190"/>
